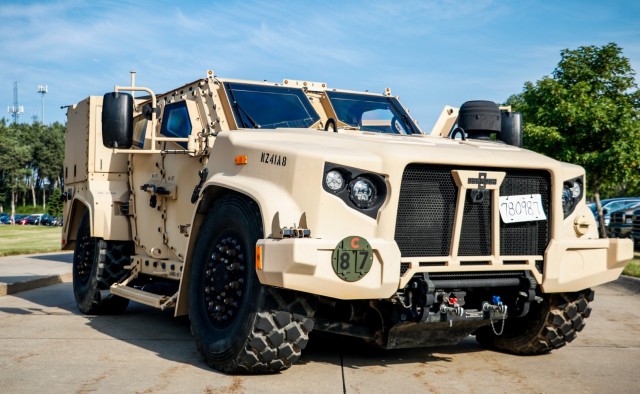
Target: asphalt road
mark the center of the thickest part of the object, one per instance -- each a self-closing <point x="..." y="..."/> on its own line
<point x="46" y="345"/>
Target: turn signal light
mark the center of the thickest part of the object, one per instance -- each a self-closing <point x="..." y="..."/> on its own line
<point x="259" y="257"/>
<point x="241" y="160"/>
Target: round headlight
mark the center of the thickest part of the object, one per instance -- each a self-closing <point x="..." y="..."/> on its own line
<point x="571" y="194"/>
<point x="576" y="190"/>
<point x="334" y="180"/>
<point x="362" y="193"/>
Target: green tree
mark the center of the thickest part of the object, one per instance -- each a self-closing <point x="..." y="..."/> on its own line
<point x="48" y="154"/>
<point x="55" y="205"/>
<point x="588" y="113"/>
<point x="14" y="159"/>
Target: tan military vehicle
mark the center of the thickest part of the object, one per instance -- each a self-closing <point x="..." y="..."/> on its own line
<point x="265" y="210"/>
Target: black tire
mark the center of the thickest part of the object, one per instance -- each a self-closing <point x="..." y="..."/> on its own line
<point x="97" y="264"/>
<point x="238" y="325"/>
<point x="549" y="325"/>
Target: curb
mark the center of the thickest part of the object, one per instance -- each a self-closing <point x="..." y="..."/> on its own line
<point x="37" y="282"/>
<point x="628" y="281"/>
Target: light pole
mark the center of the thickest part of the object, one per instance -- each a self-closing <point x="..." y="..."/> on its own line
<point x="42" y="89"/>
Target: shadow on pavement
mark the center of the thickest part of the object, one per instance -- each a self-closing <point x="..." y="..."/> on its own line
<point x="66" y="257"/>
<point x="355" y="354"/>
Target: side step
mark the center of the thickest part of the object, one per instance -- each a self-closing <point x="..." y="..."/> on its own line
<point x="144" y="297"/>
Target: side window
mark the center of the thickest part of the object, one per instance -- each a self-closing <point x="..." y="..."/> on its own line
<point x="175" y="121"/>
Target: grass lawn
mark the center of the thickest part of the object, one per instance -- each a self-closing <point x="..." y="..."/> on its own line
<point x="29" y="239"/>
<point x="633" y="268"/>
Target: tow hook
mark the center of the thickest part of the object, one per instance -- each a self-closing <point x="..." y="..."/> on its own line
<point x="495" y="305"/>
<point x="450" y="306"/>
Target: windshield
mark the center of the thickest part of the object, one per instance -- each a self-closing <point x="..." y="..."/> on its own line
<point x="263" y="106"/>
<point x="382" y="114"/>
<point x="616" y="205"/>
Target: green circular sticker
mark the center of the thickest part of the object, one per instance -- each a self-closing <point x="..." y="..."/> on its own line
<point x="352" y="258"/>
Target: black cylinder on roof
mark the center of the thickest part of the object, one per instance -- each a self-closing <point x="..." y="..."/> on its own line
<point x="479" y="118"/>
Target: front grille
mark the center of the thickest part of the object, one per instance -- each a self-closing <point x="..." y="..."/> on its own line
<point x="617" y="218"/>
<point x="426" y="211"/>
<point x="636" y="223"/>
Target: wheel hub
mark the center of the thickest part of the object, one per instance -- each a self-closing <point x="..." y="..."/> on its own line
<point x="224" y="280"/>
<point x="84" y="264"/>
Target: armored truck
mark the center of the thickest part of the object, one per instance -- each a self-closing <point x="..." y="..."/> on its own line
<point x="264" y="211"/>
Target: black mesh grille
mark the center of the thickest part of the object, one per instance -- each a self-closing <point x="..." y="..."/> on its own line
<point x="526" y="238"/>
<point x="426" y="212"/>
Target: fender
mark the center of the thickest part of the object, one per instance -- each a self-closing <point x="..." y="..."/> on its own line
<point x="109" y="224"/>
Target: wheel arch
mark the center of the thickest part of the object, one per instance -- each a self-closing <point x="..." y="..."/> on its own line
<point x="71" y="224"/>
<point x="209" y="196"/>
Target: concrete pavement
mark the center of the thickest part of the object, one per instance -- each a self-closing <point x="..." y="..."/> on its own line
<point x="27" y="272"/>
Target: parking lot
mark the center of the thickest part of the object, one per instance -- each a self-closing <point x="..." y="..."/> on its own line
<point x="46" y="345"/>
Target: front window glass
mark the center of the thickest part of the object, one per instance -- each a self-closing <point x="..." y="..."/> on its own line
<point x="263" y="106"/>
<point x="380" y="114"/>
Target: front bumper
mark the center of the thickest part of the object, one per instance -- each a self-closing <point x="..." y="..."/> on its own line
<point x="304" y="264"/>
<point x="578" y="264"/>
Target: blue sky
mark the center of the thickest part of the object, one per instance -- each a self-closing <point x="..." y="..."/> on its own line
<point x="431" y="53"/>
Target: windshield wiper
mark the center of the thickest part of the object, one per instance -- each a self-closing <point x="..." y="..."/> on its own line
<point x="254" y="124"/>
<point x="240" y="109"/>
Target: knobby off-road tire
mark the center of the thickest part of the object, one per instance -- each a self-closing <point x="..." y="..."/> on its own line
<point x="97" y="264"/>
<point x="549" y="325"/>
<point x="239" y="325"/>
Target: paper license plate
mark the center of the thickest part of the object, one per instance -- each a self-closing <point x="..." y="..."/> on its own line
<point x="523" y="208"/>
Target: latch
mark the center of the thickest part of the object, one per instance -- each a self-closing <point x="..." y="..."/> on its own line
<point x="158" y="189"/>
<point x="204" y="173"/>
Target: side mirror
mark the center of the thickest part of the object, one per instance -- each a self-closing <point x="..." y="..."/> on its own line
<point x="117" y="120"/>
<point x="511" y="128"/>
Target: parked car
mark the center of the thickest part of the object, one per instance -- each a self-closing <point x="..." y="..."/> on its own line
<point x="614" y="205"/>
<point x="5" y="218"/>
<point x="48" y="220"/>
<point x="621" y="222"/>
<point x="19" y="218"/>
<point x="34" y="219"/>
<point x="635" y="228"/>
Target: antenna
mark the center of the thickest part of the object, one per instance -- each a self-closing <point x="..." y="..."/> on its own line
<point x="42" y="89"/>
<point x="15" y="110"/>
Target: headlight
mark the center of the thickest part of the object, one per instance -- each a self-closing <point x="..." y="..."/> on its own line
<point x="628" y="221"/>
<point x="334" y="180"/>
<point x="572" y="192"/>
<point x="362" y="192"/>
